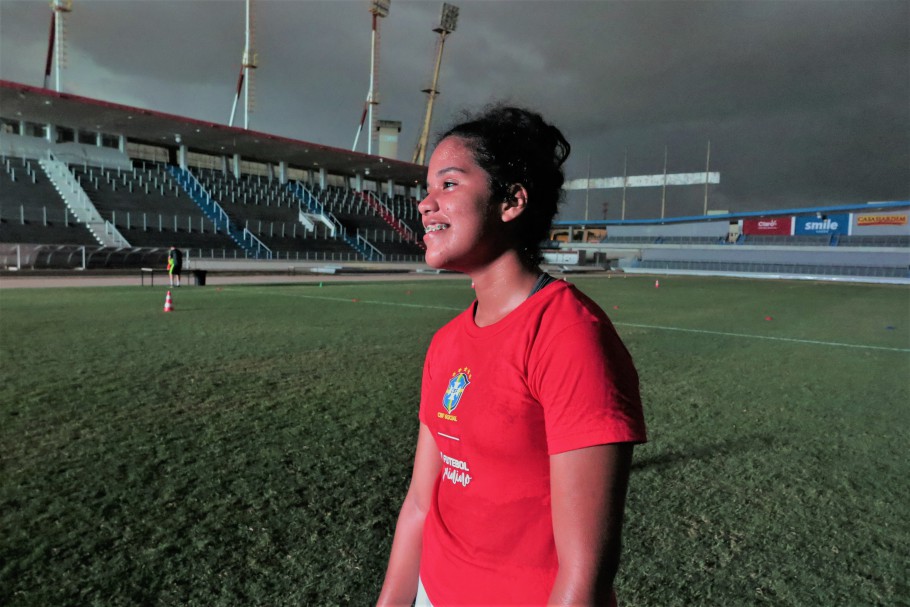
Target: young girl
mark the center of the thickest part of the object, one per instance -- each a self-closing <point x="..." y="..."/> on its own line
<point x="530" y="404"/>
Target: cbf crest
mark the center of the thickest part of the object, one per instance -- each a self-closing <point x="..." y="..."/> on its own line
<point x="460" y="380"/>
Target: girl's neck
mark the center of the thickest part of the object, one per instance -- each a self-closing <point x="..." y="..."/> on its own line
<point x="502" y="286"/>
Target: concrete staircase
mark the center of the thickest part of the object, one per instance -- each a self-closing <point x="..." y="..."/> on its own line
<point x="79" y="204"/>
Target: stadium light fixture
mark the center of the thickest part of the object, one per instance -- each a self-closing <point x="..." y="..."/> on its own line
<point x="380" y="8"/>
<point x="448" y="19"/>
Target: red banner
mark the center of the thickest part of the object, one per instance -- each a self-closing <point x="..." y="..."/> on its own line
<point x="768" y="226"/>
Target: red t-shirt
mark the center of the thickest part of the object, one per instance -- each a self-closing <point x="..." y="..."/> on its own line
<point x="550" y="377"/>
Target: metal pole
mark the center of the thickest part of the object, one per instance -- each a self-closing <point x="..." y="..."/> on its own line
<point x="707" y="166"/>
<point x="625" y="167"/>
<point x="371" y="94"/>
<point x="58" y="50"/>
<point x="246" y="71"/>
<point x="588" y="188"/>
<point x="420" y="153"/>
<point x="663" y="193"/>
<point x="50" y="49"/>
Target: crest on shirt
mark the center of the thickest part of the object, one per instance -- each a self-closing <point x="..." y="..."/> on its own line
<point x="460" y="380"/>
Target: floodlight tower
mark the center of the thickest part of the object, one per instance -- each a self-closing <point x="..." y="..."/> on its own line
<point x="246" y="76"/>
<point x="379" y="9"/>
<point x="56" y="41"/>
<point x="447" y="22"/>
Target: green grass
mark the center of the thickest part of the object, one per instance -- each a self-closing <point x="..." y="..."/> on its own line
<point x="253" y="447"/>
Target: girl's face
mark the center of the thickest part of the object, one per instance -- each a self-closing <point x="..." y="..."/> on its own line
<point x="464" y="231"/>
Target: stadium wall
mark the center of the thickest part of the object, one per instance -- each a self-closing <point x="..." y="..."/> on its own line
<point x="715" y="229"/>
<point x="822" y="256"/>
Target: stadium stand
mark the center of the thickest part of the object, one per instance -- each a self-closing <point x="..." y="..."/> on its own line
<point x="893" y="240"/>
<point x="790" y="241"/>
<point x="153" y="180"/>
<point x="359" y="216"/>
<point x="273" y="213"/>
<point x="689" y="240"/>
<point x="405" y="209"/>
<point x="629" y="240"/>
<point x="31" y="210"/>
<point x="149" y="208"/>
<point x="781" y="269"/>
<point x="780" y="258"/>
<point x="153" y="211"/>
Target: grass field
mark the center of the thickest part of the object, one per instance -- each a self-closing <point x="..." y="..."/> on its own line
<point x="253" y="447"/>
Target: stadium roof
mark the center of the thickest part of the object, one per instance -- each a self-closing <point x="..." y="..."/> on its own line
<point x="44" y="106"/>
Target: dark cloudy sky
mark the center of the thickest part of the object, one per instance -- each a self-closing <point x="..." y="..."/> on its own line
<point x="805" y="102"/>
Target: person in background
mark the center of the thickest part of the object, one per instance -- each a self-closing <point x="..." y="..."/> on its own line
<point x="530" y="402"/>
<point x="174" y="266"/>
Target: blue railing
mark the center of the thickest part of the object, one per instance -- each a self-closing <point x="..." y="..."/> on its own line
<point x="245" y="239"/>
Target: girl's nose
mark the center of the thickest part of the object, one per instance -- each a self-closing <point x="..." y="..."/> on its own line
<point x="427" y="205"/>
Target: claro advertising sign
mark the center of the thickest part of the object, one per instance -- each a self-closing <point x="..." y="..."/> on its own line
<point x="829" y="224"/>
<point x="768" y="226"/>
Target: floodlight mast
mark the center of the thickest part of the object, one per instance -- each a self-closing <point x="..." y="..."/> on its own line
<point x="379" y="9"/>
<point x="56" y="43"/>
<point x="249" y="62"/>
<point x="447" y="22"/>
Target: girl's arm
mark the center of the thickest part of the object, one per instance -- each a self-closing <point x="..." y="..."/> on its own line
<point x="588" y="488"/>
<point x="400" y="585"/>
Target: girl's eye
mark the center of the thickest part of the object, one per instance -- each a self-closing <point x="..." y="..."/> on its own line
<point x="447" y="184"/>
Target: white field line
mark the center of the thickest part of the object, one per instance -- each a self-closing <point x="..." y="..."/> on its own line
<point x="618" y="324"/>
<point x="769" y="337"/>
<point x="357" y="300"/>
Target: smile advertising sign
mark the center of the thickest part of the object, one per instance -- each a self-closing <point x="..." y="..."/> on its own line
<point x="821" y="226"/>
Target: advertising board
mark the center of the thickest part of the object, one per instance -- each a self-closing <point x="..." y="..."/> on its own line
<point x="768" y="226"/>
<point x="881" y="220"/>
<point x="821" y="226"/>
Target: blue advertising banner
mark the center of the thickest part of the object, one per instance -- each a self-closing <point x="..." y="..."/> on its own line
<point x="829" y="224"/>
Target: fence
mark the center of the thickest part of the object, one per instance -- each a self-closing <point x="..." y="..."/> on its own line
<point x="58" y="257"/>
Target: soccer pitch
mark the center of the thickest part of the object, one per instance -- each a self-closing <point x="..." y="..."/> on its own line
<point x="253" y="446"/>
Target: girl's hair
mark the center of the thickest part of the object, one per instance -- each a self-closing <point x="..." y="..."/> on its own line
<point x="516" y="147"/>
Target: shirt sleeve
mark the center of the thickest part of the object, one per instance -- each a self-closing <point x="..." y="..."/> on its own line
<point x="586" y="382"/>
<point x="425" y="384"/>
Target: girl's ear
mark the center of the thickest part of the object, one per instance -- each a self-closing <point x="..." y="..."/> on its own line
<point x="515" y="202"/>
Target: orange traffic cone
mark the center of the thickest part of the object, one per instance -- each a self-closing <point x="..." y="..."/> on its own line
<point x="656" y="284"/>
<point x="168" y="303"/>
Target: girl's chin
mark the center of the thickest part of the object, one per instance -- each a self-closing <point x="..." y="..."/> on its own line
<point x="437" y="263"/>
<point x="438" y="260"/>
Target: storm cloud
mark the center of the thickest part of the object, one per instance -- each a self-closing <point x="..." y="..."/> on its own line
<point x="805" y="103"/>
